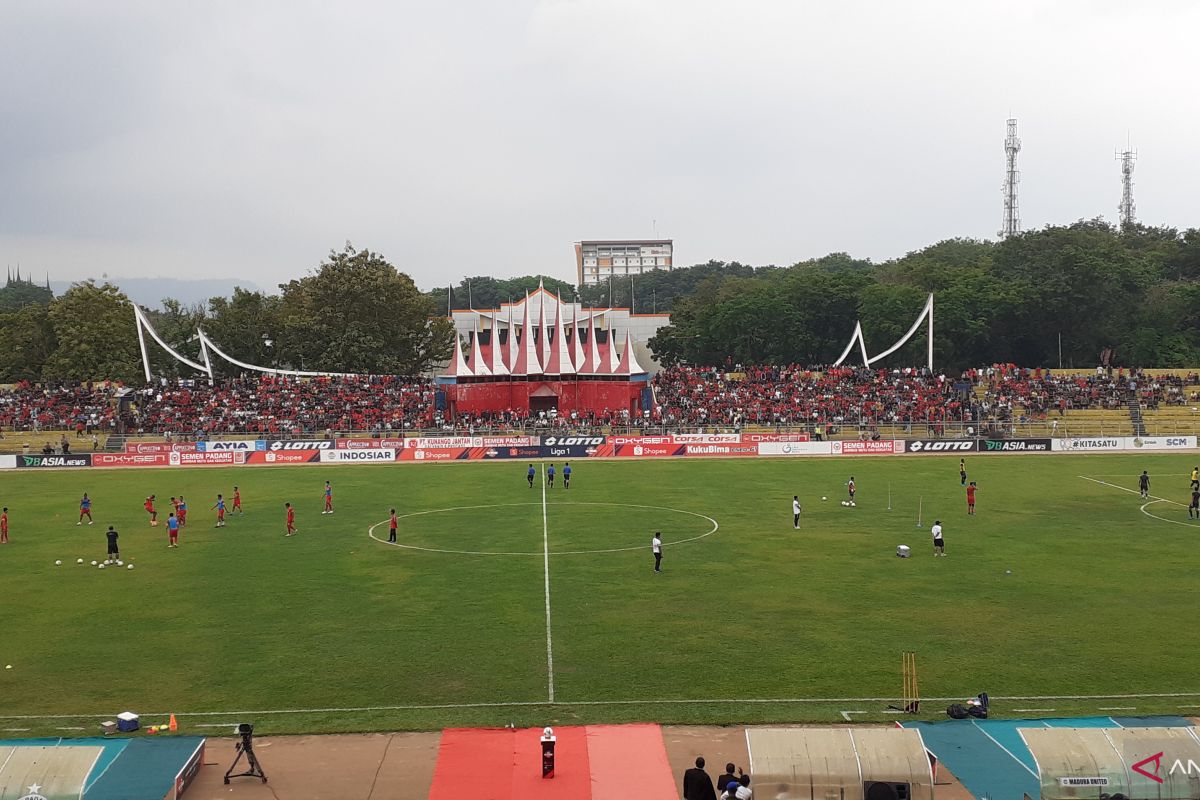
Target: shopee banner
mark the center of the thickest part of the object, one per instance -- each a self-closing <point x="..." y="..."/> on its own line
<point x="651" y="447"/>
<point x="433" y="453"/>
<point x="283" y="457"/>
<point x="131" y="459"/>
<point x="146" y="448"/>
<point x="857" y="448"/>
<point x="794" y="448"/>
<point x="202" y="459"/>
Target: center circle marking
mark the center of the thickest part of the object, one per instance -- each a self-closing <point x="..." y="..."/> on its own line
<point x="371" y="530"/>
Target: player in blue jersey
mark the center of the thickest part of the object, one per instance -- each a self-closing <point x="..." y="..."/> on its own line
<point x="532" y="473"/>
<point x="567" y="475"/>
<point x="220" y="507"/>
<point x="550" y="476"/>
<point x="85" y="509"/>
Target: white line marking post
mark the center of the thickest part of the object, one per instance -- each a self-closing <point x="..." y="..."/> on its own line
<point x="546" y="571"/>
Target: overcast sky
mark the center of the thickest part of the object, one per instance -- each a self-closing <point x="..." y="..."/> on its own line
<point x="247" y="139"/>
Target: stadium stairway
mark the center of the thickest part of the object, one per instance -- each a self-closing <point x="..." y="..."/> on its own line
<point x="1135" y="414"/>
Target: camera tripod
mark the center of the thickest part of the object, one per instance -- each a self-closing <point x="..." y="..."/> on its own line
<point x="246" y="748"/>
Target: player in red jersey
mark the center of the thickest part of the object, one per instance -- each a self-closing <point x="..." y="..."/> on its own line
<point x="149" y="506"/>
<point x="220" y="507"/>
<point x="392" y="527"/>
<point x="4" y="526"/>
<point x="328" y="498"/>
<point x="291" y="519"/>
<point x="237" y="501"/>
<point x="181" y="511"/>
<point x="971" y="499"/>
<point x="85" y="509"/>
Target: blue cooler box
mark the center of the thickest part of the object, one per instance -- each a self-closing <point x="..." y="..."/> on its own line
<point x="127" y="722"/>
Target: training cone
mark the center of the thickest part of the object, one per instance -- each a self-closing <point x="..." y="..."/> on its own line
<point x="173" y="726"/>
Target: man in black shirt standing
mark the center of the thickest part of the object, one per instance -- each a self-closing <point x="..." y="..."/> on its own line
<point x="113" y="553"/>
<point x="696" y="783"/>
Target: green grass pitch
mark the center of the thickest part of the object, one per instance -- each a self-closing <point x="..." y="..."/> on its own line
<point x="353" y="634"/>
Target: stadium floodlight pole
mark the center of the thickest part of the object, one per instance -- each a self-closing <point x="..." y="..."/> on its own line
<point x="269" y="370"/>
<point x="141" y="339"/>
<point x="862" y="346"/>
<point x="926" y="313"/>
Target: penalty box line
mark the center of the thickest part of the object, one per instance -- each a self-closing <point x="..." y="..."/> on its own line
<point x="583" y="703"/>
<point x="1131" y="491"/>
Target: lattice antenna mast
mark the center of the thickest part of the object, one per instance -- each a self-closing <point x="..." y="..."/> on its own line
<point x="1011" y="225"/>
<point x="1127" y="208"/>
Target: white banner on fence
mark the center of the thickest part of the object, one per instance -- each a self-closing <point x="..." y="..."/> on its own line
<point x="795" y="448"/>
<point x="1160" y="442"/>
<point x="359" y="456"/>
<point x="8" y="462"/>
<point x="1098" y="444"/>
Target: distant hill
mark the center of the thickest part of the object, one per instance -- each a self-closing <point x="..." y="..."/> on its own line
<point x="150" y="292"/>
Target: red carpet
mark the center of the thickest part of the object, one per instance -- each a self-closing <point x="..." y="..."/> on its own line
<point x="599" y="761"/>
<point x="630" y="761"/>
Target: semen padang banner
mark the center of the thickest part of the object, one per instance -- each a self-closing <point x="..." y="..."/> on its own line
<point x="856" y="447"/>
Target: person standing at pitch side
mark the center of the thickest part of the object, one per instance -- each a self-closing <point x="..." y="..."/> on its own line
<point x="796" y="511"/>
<point x="656" y="548"/>
<point x="939" y="544"/>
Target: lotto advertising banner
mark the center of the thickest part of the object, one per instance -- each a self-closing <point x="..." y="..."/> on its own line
<point x="283" y="457"/>
<point x="1014" y="445"/>
<point x="148" y="448"/>
<point x="370" y="455"/>
<point x="577" y="446"/>
<point x="941" y="445"/>
<point x="795" y="448"/>
<point x="857" y="448"/>
<point x="295" y="444"/>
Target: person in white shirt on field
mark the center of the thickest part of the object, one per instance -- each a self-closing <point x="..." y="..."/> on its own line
<point x="796" y="511"/>
<point x="656" y="548"/>
<point x="939" y="545"/>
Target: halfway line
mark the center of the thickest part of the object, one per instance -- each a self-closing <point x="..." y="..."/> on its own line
<point x="546" y="570"/>
<point x="1131" y="491"/>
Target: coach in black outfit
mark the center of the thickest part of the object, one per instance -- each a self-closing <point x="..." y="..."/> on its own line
<point x="696" y="783"/>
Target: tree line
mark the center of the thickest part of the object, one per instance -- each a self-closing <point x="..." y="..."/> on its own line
<point x="354" y="313"/>
<point x="1060" y="295"/>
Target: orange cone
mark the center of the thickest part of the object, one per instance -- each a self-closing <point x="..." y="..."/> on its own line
<point x="173" y="726"/>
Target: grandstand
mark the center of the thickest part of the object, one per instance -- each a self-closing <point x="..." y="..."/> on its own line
<point x="831" y="403"/>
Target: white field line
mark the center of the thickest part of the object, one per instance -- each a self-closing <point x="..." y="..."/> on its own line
<point x="586" y="703"/>
<point x="1116" y="708"/>
<point x="1029" y="710"/>
<point x="1131" y="491"/>
<point x="1005" y="749"/>
<point x="1189" y="523"/>
<point x="546" y="572"/>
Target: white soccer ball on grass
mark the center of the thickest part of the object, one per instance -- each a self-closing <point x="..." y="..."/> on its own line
<point x="79" y="561"/>
<point x="129" y="566"/>
<point x="101" y="566"/>
<point x="824" y="499"/>
<point x="94" y="563"/>
<point x="58" y="563"/>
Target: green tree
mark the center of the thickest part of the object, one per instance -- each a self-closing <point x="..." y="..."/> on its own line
<point x="96" y="336"/>
<point x="26" y="343"/>
<point x="245" y="327"/>
<point x="357" y="313"/>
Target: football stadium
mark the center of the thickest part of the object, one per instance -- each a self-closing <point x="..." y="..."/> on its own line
<point x="596" y="480"/>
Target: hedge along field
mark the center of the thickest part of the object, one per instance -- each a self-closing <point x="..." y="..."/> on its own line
<point x="1059" y="586"/>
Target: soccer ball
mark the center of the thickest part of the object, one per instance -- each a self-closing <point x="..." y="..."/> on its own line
<point x="93" y="563"/>
<point x="79" y="561"/>
<point x="58" y="563"/>
<point x="823" y="499"/>
<point x="129" y="566"/>
<point x="844" y="503"/>
<point x="851" y="503"/>
<point x="120" y="563"/>
<point x="101" y="566"/>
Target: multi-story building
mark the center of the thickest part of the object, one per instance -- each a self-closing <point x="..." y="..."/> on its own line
<point x="600" y="260"/>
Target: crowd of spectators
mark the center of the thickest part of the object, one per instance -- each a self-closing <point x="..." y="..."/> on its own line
<point x="822" y="400"/>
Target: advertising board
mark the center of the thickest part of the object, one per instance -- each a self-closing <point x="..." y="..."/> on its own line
<point x="795" y="448"/>
<point x="1014" y="445"/>
<point x="373" y="455"/>
<point x="884" y="447"/>
<point x="80" y="460"/>
<point x="283" y="457"/>
<point x="941" y="445"/>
